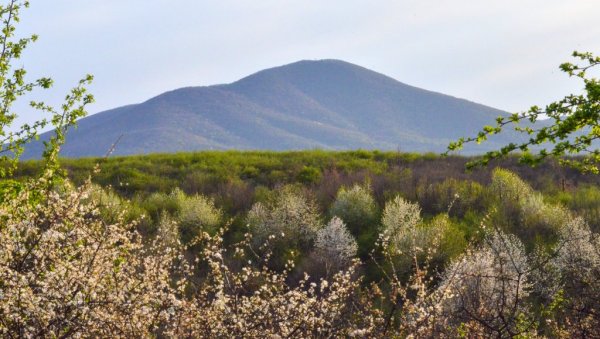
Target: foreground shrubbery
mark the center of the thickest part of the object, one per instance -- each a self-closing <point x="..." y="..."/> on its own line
<point x="73" y="264"/>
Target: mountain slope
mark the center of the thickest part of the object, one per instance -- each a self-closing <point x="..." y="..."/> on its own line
<point x="326" y="104"/>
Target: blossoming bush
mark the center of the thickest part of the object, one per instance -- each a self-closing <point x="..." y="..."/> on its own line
<point x="289" y="215"/>
<point x="335" y="247"/>
<point x="358" y="210"/>
<point x="577" y="265"/>
<point x="400" y="222"/>
<point x="487" y="287"/>
<point x="257" y="301"/>
<point x="64" y="271"/>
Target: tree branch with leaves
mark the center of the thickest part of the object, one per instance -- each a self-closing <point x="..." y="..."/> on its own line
<point x="13" y="87"/>
<point x="566" y="127"/>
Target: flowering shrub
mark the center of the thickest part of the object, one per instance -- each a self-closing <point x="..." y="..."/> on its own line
<point x="335" y="247"/>
<point x="256" y="301"/>
<point x="400" y="219"/>
<point x="289" y="214"/>
<point x="356" y="207"/>
<point x="64" y="271"/>
<point x="407" y="235"/>
<point x="578" y="266"/>
<point x="486" y="288"/>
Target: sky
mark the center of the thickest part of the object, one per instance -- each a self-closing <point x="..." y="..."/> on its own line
<point x="504" y="54"/>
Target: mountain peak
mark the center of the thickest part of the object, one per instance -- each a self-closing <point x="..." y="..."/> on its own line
<point x="310" y="68"/>
<point x="321" y="62"/>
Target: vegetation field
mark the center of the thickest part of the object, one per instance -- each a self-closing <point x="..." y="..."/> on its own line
<point x="398" y="214"/>
<point x="235" y="179"/>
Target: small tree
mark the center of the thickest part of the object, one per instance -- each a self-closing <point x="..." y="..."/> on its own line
<point x="335" y="247"/>
<point x="195" y="214"/>
<point x="487" y="287"/>
<point x="356" y="207"/>
<point x="400" y="220"/>
<point x="523" y="211"/>
<point x="289" y="216"/>
<point x="359" y="211"/>
<point x="577" y="261"/>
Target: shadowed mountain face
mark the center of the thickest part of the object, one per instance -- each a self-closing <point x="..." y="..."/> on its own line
<point x="327" y="104"/>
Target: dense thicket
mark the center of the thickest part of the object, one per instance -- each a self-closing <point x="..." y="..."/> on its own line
<point x="236" y="180"/>
<point x="379" y="243"/>
<point x="514" y="263"/>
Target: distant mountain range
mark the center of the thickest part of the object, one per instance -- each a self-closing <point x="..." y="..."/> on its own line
<point x="328" y="104"/>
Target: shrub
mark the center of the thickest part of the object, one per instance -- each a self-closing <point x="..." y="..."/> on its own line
<point x="448" y="239"/>
<point x="508" y="186"/>
<point x="334" y="246"/>
<point x="309" y="175"/>
<point x="113" y="209"/>
<point x="409" y="237"/>
<point x="452" y="196"/>
<point x="157" y="204"/>
<point x="64" y="271"/>
<point x="584" y="202"/>
<point x="486" y="288"/>
<point x="195" y="214"/>
<point x="524" y="210"/>
<point x="400" y="219"/>
<point x="257" y="302"/>
<point x="357" y="208"/>
<point x="289" y="215"/>
<point x="577" y="262"/>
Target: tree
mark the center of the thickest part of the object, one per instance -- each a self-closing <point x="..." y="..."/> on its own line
<point x="195" y="214"/>
<point x="578" y="262"/>
<point x="574" y="124"/>
<point x="400" y="220"/>
<point x="288" y="223"/>
<point x="487" y="288"/>
<point x="335" y="246"/>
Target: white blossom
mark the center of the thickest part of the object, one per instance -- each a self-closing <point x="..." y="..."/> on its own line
<point x="334" y="245"/>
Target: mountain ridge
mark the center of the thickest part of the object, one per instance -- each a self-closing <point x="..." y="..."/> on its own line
<point x="328" y="103"/>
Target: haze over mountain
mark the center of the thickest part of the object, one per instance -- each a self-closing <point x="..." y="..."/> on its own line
<point x="327" y="104"/>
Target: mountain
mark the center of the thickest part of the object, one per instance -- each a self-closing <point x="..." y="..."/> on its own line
<point x="327" y="104"/>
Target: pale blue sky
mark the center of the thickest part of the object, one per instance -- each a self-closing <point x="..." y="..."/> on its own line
<point x="500" y="53"/>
